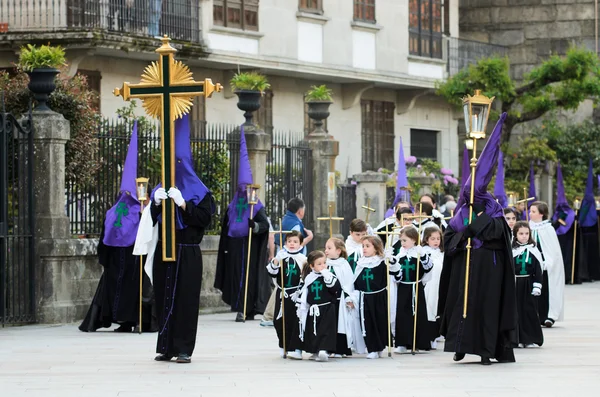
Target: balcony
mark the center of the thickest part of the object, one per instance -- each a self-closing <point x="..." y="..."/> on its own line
<point x="179" y="19"/>
<point x="462" y="53"/>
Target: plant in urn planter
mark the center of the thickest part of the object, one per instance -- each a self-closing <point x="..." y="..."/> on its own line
<point x="41" y="63"/>
<point x="249" y="87"/>
<point x="318" y="99"/>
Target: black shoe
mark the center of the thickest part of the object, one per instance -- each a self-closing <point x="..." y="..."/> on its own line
<point x="163" y="357"/>
<point x="458" y="356"/>
<point x="239" y="318"/>
<point x="183" y="359"/>
<point x="548" y="323"/>
<point x="124" y="328"/>
<point x="485" y="361"/>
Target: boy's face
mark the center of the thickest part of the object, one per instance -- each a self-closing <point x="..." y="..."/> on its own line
<point x="292" y="243"/>
<point x="357" y="236"/>
<point x="300" y="213"/>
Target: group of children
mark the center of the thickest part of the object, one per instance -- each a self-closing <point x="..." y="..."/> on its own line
<point x="363" y="295"/>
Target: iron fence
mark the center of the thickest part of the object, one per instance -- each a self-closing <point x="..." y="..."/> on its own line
<point x="179" y="19"/>
<point x="346" y="206"/>
<point x="462" y="53"/>
<point x="17" y="222"/>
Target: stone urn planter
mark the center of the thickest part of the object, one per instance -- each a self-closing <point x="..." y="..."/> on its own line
<point x="318" y="111"/>
<point x="41" y="84"/>
<point x="249" y="102"/>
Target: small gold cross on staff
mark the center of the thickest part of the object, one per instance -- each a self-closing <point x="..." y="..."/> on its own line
<point x="368" y="209"/>
<point x="525" y="201"/>
<point x="330" y="218"/>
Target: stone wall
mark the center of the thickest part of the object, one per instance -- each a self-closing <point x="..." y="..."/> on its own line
<point x="69" y="274"/>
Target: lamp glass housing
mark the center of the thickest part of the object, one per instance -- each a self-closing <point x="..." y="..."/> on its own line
<point x="476" y="110"/>
<point x="252" y="193"/>
<point x="142" y="188"/>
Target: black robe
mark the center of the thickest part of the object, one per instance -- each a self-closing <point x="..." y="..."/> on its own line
<point x="232" y="259"/>
<point x="405" y="303"/>
<point x="326" y="322"/>
<point x="177" y="284"/>
<point x="490" y="328"/>
<point x="352" y="259"/>
<point x="528" y="272"/>
<point x="589" y="255"/>
<point x="389" y="228"/>
<point x="373" y="286"/>
<point x="566" y="247"/>
<point x="116" y="300"/>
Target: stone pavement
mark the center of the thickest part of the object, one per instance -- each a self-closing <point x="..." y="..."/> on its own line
<point x="242" y="360"/>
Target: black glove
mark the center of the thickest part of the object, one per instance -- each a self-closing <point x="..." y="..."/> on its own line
<point x="251" y="223"/>
<point x="478" y="207"/>
<point x="563" y="216"/>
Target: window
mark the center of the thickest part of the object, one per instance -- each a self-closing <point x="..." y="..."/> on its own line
<point x="312" y="6"/>
<point x="93" y="81"/>
<point x="264" y="115"/>
<point x="425" y="28"/>
<point x="447" y="17"/>
<point x="364" y="10"/>
<point x="309" y="124"/>
<point x="237" y="14"/>
<point x="198" y="118"/>
<point x="423" y="144"/>
<point x="377" y="135"/>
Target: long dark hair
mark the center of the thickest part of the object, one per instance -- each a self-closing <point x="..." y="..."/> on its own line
<point x="310" y="261"/>
<point x="521" y="225"/>
<point x="428" y="232"/>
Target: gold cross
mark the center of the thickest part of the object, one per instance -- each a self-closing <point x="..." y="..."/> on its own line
<point x="330" y="218"/>
<point x="369" y="209"/>
<point x="166" y="90"/>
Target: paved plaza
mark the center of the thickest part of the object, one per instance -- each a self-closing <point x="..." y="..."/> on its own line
<point x="234" y="359"/>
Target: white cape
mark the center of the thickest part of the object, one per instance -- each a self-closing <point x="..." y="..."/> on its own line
<point x="146" y="240"/>
<point x="432" y="287"/>
<point x="346" y="316"/>
<point x="553" y="263"/>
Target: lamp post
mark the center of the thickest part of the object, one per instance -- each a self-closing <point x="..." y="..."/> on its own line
<point x="477" y="111"/>
<point x="141" y="185"/>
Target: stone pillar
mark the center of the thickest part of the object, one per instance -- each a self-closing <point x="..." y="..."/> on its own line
<point x="324" y="151"/>
<point x="545" y="184"/>
<point x="259" y="146"/>
<point x="371" y="185"/>
<point x="425" y="186"/>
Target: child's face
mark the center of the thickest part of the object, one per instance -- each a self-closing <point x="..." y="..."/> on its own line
<point x="434" y="240"/>
<point x="523" y="235"/>
<point x="534" y="214"/>
<point x="407" y="222"/>
<point x="406" y="242"/>
<point x="368" y="248"/>
<point x="292" y="243"/>
<point x="319" y="265"/>
<point x="357" y="236"/>
<point x="330" y="251"/>
<point x="511" y="219"/>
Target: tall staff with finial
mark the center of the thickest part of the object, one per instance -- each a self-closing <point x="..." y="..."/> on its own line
<point x="388" y="236"/>
<point x="576" y="207"/>
<point x="477" y="111"/>
<point x="282" y="281"/>
<point x="330" y="218"/>
<point x="142" y="193"/>
<point x="252" y="192"/>
<point x="368" y="209"/>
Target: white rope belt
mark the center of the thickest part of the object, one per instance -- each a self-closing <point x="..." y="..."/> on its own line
<point x="362" y="308"/>
<point x="285" y="294"/>
<point x="315" y="312"/>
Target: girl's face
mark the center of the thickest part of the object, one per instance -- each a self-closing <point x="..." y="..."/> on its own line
<point x="357" y="236"/>
<point x="368" y="248"/>
<point x="330" y="251"/>
<point x="319" y="265"/>
<point x="434" y="240"/>
<point x="406" y="242"/>
<point x="292" y="243"/>
<point x="523" y="235"/>
<point x="534" y="214"/>
<point x="511" y="219"/>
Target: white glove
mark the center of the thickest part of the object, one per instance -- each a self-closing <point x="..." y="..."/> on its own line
<point x="327" y="275"/>
<point x="175" y="195"/>
<point x="159" y="195"/>
<point x="537" y="289"/>
<point x="295" y="296"/>
<point x="388" y="253"/>
<point x="420" y="250"/>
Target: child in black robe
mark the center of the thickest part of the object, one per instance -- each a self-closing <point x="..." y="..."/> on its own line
<point x="317" y="308"/>
<point x="293" y="260"/>
<point x="410" y="258"/>
<point x="370" y="282"/>
<point x="528" y="272"/>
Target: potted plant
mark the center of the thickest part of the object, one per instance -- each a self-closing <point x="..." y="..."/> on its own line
<point x="249" y="87"/>
<point x="41" y="64"/>
<point x="318" y="99"/>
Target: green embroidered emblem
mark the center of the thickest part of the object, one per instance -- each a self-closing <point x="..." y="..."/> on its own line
<point x="407" y="265"/>
<point x="121" y="210"/>
<point x="523" y="263"/>
<point x="367" y="277"/>
<point x="291" y="272"/>
<point x="315" y="288"/>
<point x="241" y="206"/>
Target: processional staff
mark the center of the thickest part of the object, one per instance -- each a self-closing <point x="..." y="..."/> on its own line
<point x="281" y="231"/>
<point x="252" y="193"/>
<point x="330" y="218"/>
<point x="142" y="193"/>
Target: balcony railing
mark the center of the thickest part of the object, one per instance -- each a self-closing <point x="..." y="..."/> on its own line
<point x="180" y="19"/>
<point x="462" y="53"/>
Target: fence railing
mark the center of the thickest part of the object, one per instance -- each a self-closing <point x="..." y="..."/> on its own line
<point x="215" y="150"/>
<point x="179" y="19"/>
<point x="462" y="53"/>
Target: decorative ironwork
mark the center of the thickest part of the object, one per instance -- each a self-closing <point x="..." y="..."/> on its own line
<point x="462" y="53"/>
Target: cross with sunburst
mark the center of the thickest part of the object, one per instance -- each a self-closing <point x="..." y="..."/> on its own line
<point x="167" y="89"/>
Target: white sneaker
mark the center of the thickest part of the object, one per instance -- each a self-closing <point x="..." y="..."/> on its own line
<point x="434" y="345"/>
<point x="373" y="355"/>
<point x="281" y="352"/>
<point x="323" y="356"/>
<point x="531" y="345"/>
<point x="401" y="350"/>
<point x="313" y="357"/>
<point x="335" y="356"/>
<point x="521" y="346"/>
<point x="295" y="355"/>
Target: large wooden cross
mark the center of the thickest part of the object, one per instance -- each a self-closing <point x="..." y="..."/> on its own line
<point x="167" y="89"/>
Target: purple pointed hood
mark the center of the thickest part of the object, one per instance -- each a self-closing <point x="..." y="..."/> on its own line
<point x="483" y="175"/>
<point x="531" y="185"/>
<point x="123" y="218"/>
<point x="191" y="187"/>
<point x="401" y="181"/>
<point x="587" y="213"/>
<point x="466" y="169"/>
<point x="562" y="210"/>
<point x="238" y="211"/>
<point x="499" y="191"/>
